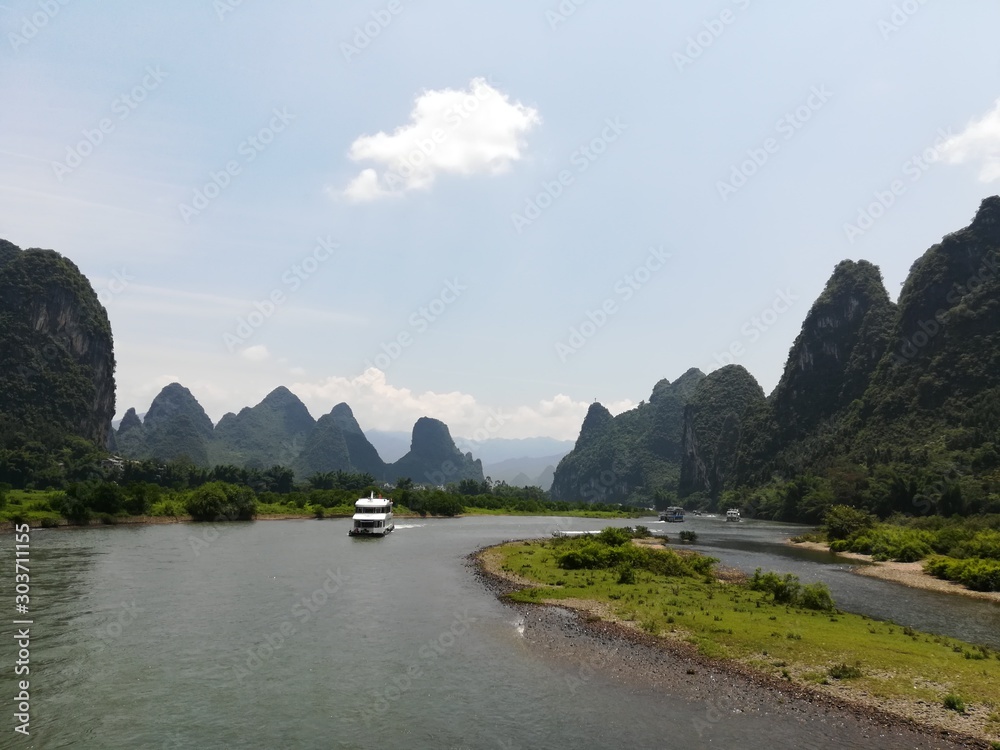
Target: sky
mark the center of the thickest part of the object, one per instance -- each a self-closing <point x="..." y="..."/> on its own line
<point x="490" y="214"/>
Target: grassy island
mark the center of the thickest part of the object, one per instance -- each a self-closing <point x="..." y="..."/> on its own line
<point x="767" y="622"/>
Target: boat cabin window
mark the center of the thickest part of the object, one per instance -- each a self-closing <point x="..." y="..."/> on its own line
<point x="377" y="509"/>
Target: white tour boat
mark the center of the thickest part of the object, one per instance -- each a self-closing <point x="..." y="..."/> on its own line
<point x="372" y="517"/>
<point x="673" y="514"/>
<point x="733" y="514"/>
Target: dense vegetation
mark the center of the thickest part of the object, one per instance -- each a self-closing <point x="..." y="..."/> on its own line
<point x="148" y="488"/>
<point x="629" y="457"/>
<point x="57" y="374"/>
<point x="713" y="425"/>
<point x="963" y="549"/>
<point x="890" y="408"/>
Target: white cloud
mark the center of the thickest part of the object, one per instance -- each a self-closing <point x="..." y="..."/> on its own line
<point x="474" y="131"/>
<point x="379" y="405"/>
<point x="979" y="142"/>
<point x="257" y="353"/>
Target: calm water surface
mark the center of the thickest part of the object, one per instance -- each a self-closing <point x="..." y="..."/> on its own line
<point x="289" y="634"/>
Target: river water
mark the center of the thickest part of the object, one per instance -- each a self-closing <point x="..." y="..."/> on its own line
<point x="290" y="634"/>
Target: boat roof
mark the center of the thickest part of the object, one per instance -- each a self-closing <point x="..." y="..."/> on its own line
<point x="372" y="502"/>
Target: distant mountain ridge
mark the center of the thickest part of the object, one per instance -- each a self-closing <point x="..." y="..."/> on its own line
<point x="895" y="407"/>
<point x="280" y="431"/>
<point x="629" y="457"/>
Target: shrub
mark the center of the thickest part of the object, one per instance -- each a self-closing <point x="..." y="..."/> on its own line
<point x="626" y="574"/>
<point x="954" y="703"/>
<point x="74" y="510"/>
<point x="787" y="590"/>
<point x="107" y="498"/>
<point x="844" y="672"/>
<point x="843" y="521"/>
<point x="817" y="596"/>
<point x="591" y="553"/>
<point x="688" y="537"/>
<point x="783" y="590"/>
<point x="614" y="537"/>
<point x="218" y="501"/>
<point x="974" y="573"/>
<point x="641" y="532"/>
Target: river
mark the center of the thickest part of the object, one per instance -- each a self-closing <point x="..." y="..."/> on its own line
<point x="290" y="634"/>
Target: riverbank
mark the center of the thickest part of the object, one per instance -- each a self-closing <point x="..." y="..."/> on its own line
<point x="776" y="675"/>
<point x="51" y="522"/>
<point x="908" y="574"/>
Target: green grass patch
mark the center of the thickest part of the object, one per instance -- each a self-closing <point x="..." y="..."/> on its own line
<point x="34" y="507"/>
<point x="675" y="596"/>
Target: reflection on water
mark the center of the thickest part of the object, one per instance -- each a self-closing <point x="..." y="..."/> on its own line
<point x="290" y="634"/>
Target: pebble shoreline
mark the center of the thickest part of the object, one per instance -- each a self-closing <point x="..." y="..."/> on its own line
<point x="633" y="657"/>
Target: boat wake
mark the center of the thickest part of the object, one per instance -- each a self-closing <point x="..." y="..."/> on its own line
<point x="410" y="525"/>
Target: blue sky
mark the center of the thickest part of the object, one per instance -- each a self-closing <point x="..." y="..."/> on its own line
<point x="488" y="214"/>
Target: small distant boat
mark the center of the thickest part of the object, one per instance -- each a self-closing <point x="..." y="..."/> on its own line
<point x="733" y="514"/>
<point x="372" y="517"/>
<point x="673" y="514"/>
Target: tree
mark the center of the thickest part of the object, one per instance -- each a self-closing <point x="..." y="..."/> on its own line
<point x="841" y="521"/>
<point x="217" y="501"/>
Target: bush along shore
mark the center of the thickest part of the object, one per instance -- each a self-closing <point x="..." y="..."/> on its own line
<point x="965" y="550"/>
<point x="84" y="503"/>
<point x="769" y="624"/>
